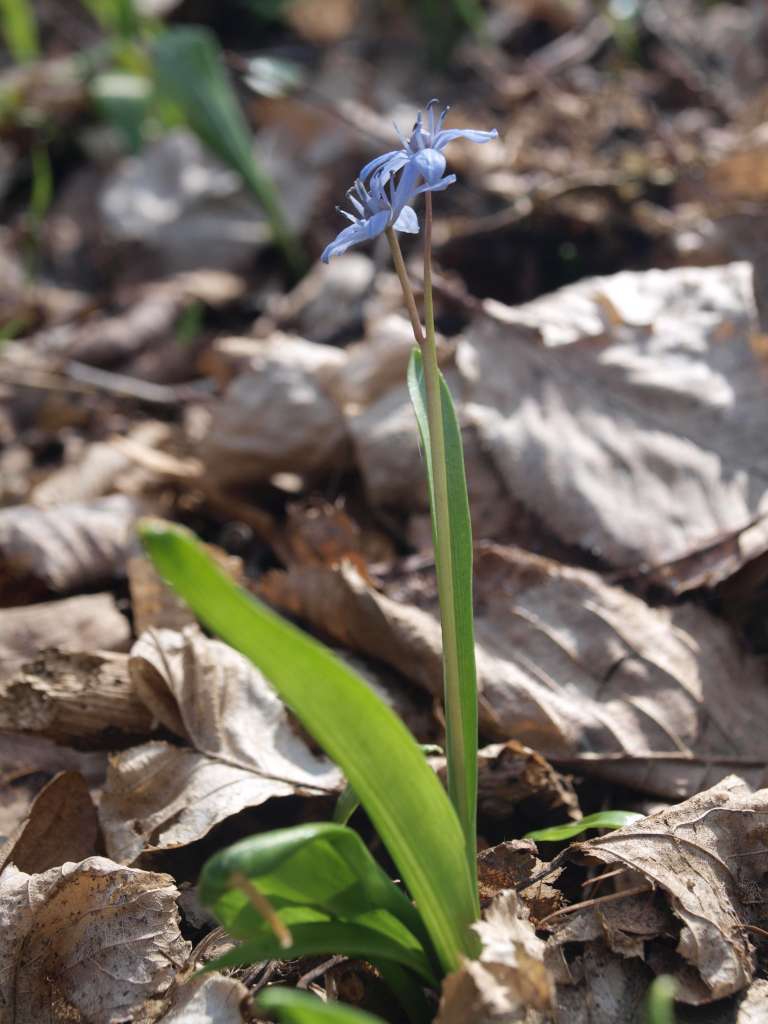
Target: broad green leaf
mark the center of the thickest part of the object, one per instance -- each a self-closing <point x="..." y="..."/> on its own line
<point x="190" y="71"/>
<point x="315" y="876"/>
<point x="461" y="573"/>
<point x="660" y="1002"/>
<point x="294" y="1007"/>
<point x="603" y="819"/>
<point x="347" y="803"/>
<point x="380" y="758"/>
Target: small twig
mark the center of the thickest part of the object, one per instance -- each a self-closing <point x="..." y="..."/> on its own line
<point x="317" y="972"/>
<point x="601" y="878"/>
<point x="610" y="898"/>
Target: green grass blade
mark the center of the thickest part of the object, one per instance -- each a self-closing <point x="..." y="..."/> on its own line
<point x="190" y="71"/>
<point x="603" y="819"/>
<point x="294" y="1007"/>
<point x="377" y="753"/>
<point x="463" y="790"/>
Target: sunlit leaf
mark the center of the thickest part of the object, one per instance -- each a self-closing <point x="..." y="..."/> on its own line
<point x="324" y="887"/>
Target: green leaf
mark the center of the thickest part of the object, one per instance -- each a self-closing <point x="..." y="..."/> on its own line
<point x="460" y="531"/>
<point x="190" y="71"/>
<point x="294" y="1007"/>
<point x="603" y="819"/>
<point x="383" y="763"/>
<point x="315" y="877"/>
<point x="347" y="803"/>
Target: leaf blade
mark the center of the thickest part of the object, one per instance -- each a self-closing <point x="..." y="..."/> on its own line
<point x="399" y="790"/>
<point x="602" y="819"/>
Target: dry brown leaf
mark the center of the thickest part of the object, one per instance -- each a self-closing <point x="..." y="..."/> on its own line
<point x="243" y="747"/>
<point x="73" y="697"/>
<point x="277" y="416"/>
<point x="634" y="427"/>
<point x="706" y="856"/>
<point x="509" y="982"/>
<point x="568" y="664"/>
<point x="88" y="942"/>
<point x="91" y="622"/>
<point x="62" y="825"/>
<point x="210" y="999"/>
<point x="66" y="547"/>
<point x="100" y="468"/>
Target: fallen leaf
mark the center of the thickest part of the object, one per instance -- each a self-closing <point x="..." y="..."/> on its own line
<point x="508" y="980"/>
<point x="88" y="941"/>
<point x="90" y="622"/>
<point x="581" y="671"/>
<point x="206" y="999"/>
<point x="62" y="825"/>
<point x="706" y="857"/>
<point x="277" y="415"/>
<point x="73" y="698"/>
<point x="65" y="547"/>
<point x="243" y="747"/>
<point x="635" y="435"/>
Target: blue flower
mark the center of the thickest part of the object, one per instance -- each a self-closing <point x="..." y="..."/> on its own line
<point x="378" y="208"/>
<point x="422" y="153"/>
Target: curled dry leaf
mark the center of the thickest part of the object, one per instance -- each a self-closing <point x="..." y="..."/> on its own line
<point x="66" y="547"/>
<point x="90" y="622"/>
<point x="567" y="664"/>
<point x="634" y="426"/>
<point x="706" y="857"/>
<point x="509" y="982"/>
<point x="89" y="941"/>
<point x="242" y="749"/>
<point x="62" y="825"/>
<point x="73" y="697"/>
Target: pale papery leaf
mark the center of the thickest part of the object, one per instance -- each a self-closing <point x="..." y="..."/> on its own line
<point x="87" y="941"/>
<point x="243" y="748"/>
<point x="206" y="999"/>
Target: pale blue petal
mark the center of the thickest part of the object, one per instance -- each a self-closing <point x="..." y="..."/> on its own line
<point x="386" y="164"/>
<point x="407" y="221"/>
<point x="350" y="236"/>
<point x="376" y="224"/>
<point x="439" y="186"/>
<point x="430" y="164"/>
<point x="443" y="138"/>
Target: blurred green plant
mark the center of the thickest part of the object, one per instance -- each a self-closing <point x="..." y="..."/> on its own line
<point x="190" y="72"/>
<point x="602" y="819"/>
<point x="660" y="1001"/>
<point x="19" y="29"/>
<point x="292" y="1007"/>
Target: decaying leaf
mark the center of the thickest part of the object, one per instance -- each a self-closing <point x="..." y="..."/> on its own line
<point x="633" y="426"/>
<point x="62" y="825"/>
<point x="86" y="623"/>
<point x="706" y="858"/>
<point x="243" y="748"/>
<point x="509" y="980"/>
<point x="89" y="941"/>
<point x="567" y="664"/>
<point x="73" y="697"/>
<point x="71" y="546"/>
<point x="510" y="865"/>
<point x="206" y="999"/>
